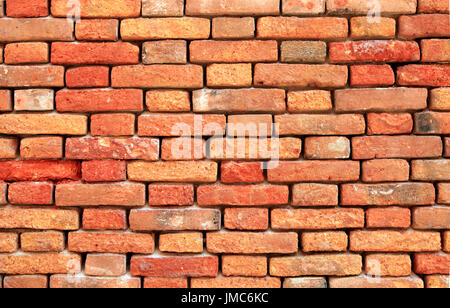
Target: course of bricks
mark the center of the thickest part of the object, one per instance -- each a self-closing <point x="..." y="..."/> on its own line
<point x="93" y="195"/>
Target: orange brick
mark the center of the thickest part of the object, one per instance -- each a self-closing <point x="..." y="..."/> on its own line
<point x="168" y="101"/>
<point x="42" y="241"/>
<point x="81" y="282"/>
<point x="22" y="53"/>
<point x="31" y="76"/>
<point x="424" y="25"/>
<point x="162" y="7"/>
<point x="164" y="52"/>
<point x="431" y="170"/>
<point x="444" y="193"/>
<point x="246" y="219"/>
<point x="306" y="219"/>
<point x="392" y="217"/>
<point x="233" y="51"/>
<point x="432" y="123"/>
<point x="157" y="76"/>
<point x="122" y="194"/>
<point x="316" y="265"/>
<point x="300" y="75"/>
<point x="183" y="148"/>
<point x="305" y="283"/>
<point x="26" y="8"/>
<point x="252" y="243"/>
<point x="324" y="241"/>
<point x="305" y="101"/>
<point x="242" y="195"/>
<point x="39" y="170"/>
<point x="112" y="148"/>
<point x="318" y="28"/>
<point x="155" y="282"/>
<point x="447" y="147"/>
<point x="87" y="77"/>
<point x="39" y="124"/>
<point x="188" y="242"/>
<point x="233" y="28"/>
<point x="433" y="6"/>
<point x="5" y="100"/>
<point x="9" y="242"/>
<point x="246" y="266"/>
<point x="323" y="124"/>
<point x="99" y="8"/>
<point x="109" y="265"/>
<point x="396" y="147"/>
<point x="164" y="194"/>
<point x="189" y="171"/>
<point x="104" y="171"/>
<point x="8" y="147"/>
<point x="431" y="264"/>
<point x="371" y="75"/>
<point x="186" y="28"/>
<point x="431" y="218"/>
<point x="395" y="241"/>
<point x="236" y="283"/>
<point x="174" y="267"/>
<point x="327" y="148"/>
<point x="303" y="7"/>
<point x="389" y="124"/>
<point x="361" y="7"/>
<point x="365" y="28"/>
<point x="42" y="219"/>
<point x="447" y="241"/>
<point x="33" y="100"/>
<point x="111" y="242"/>
<point x="175" y="220"/>
<point x="435" y="50"/>
<point x="104" y="219"/>
<point x="26" y="282"/>
<point x="424" y="75"/>
<point x="3" y="189"/>
<point x="97" y="30"/>
<point x="315" y="195"/>
<point x="376" y="282"/>
<point x="48" y="29"/>
<point x="34" y="193"/>
<point x="236" y="172"/>
<point x="385" y="170"/>
<point x="229" y="75"/>
<point x="47" y="263"/>
<point x="388" y="265"/>
<point x="233" y="7"/>
<point x="112" y="124"/>
<point x="437" y="282"/>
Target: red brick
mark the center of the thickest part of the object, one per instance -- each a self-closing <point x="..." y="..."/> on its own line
<point x="318" y="28"/>
<point x="444" y="193"/>
<point x="424" y="75"/>
<point x="22" y="53"/>
<point x="187" y="242"/>
<point x="87" y="77"/>
<point x="165" y="194"/>
<point x="433" y="6"/>
<point x="99" y="8"/>
<point x="385" y="170"/>
<point x="300" y="75"/>
<point x="175" y="220"/>
<point x="5" y="100"/>
<point x="165" y="283"/>
<point x="315" y="195"/>
<point x="233" y="28"/>
<point x="361" y="7"/>
<point x="81" y="282"/>
<point x="305" y="101"/>
<point x="174" y="125"/>
<point x="108" y="265"/>
<point x="162" y="8"/>
<point x="23" y="29"/>
<point x="241" y="100"/>
<point x="168" y="101"/>
<point x="324" y="241"/>
<point x="174" y="267"/>
<point x="432" y="123"/>
<point x="305" y="283"/>
<point x="424" y="25"/>
<point x="157" y="76"/>
<point x="435" y="50"/>
<point x="376" y="283"/>
<point x="316" y="265"/>
<point x="388" y="265"/>
<point x="186" y="28"/>
<point x="246" y="219"/>
<point x="33" y="100"/>
<point x="9" y="242"/>
<point x="332" y="219"/>
<point x="111" y="242"/>
<point x="229" y="75"/>
<point x="252" y="243"/>
<point x="431" y="170"/>
<point x="26" y="8"/>
<point x="176" y="171"/>
<point x="30" y="193"/>
<point x="432" y="264"/>
<point x="8" y="148"/>
<point x="303" y="7"/>
<point x="41" y="148"/>
<point x="42" y="241"/>
<point x="43" y="124"/>
<point x="246" y="266"/>
<point x="371" y="75"/>
<point x="323" y="124"/>
<point x="389" y="123"/>
<point x="431" y="218"/>
<point x="169" y="51"/>
<point x="233" y="51"/>
<point x="239" y="172"/>
<point x="94" y="53"/>
<point x="31" y="76"/>
<point x="120" y="124"/>
<point x="104" y="171"/>
<point x="392" y="217"/>
<point x="122" y="194"/>
<point x="47" y="263"/>
<point x="42" y="219"/>
<point x="327" y="148"/>
<point x="366" y="28"/>
<point x="112" y="148"/>
<point x="242" y="195"/>
<point x="104" y="219"/>
<point x="396" y="147"/>
<point x="39" y="170"/>
<point x="236" y="283"/>
<point x="26" y="282"/>
<point x="315" y="171"/>
<point x="388" y="99"/>
<point x="395" y="241"/>
<point x="233" y="7"/>
<point x="97" y="30"/>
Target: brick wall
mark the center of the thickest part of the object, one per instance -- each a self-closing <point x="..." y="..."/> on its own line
<point x="96" y="192"/>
